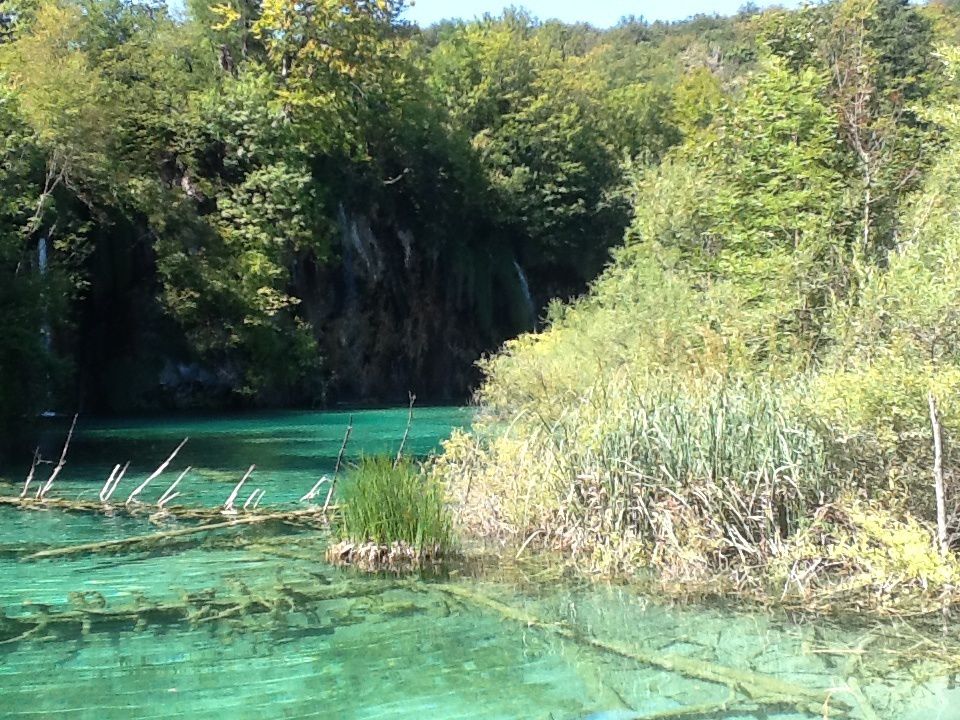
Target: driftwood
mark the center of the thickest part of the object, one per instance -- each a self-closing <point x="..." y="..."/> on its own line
<point x="159" y="537"/>
<point x="760" y="689"/>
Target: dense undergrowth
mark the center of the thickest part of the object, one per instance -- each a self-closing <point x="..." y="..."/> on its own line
<point x="741" y="400"/>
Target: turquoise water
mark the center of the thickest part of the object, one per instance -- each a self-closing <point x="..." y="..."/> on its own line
<point x="291" y="451"/>
<point x="254" y="624"/>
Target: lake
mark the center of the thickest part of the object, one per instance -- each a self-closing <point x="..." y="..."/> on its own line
<point x="254" y="623"/>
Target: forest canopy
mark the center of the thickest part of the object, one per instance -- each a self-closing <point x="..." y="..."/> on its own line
<point x="268" y="203"/>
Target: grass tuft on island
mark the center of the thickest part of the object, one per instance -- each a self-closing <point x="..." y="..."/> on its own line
<point x="393" y="517"/>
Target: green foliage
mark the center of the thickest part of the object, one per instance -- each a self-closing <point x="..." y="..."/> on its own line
<point x="30" y="304"/>
<point x="742" y="394"/>
<point x="386" y="503"/>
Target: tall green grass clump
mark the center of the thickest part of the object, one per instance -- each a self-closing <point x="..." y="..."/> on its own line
<point x="385" y="504"/>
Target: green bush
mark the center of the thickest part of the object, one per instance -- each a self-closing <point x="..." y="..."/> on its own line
<point x="384" y="504"/>
<point x="742" y="395"/>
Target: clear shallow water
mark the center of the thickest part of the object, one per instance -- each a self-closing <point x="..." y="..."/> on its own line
<point x="291" y="450"/>
<point x="333" y="644"/>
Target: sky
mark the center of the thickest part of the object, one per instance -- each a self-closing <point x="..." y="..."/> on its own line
<point x="601" y="13"/>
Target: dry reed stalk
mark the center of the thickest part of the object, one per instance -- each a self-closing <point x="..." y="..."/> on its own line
<point x="938" y="476"/>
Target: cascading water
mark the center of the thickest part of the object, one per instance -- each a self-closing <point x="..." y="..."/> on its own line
<point x="347" y="231"/>
<point x="42" y="255"/>
<point x="42" y="263"/>
<point x="530" y="309"/>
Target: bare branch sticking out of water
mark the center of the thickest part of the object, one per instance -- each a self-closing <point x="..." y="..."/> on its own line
<point x="109" y="483"/>
<point x="312" y="493"/>
<point x="42" y="492"/>
<point x="406" y="432"/>
<point x="169" y="493"/>
<point x="156" y="473"/>
<point x="253" y="500"/>
<point x="336" y="469"/>
<point x="116" y="482"/>
<point x="228" y="508"/>
<point x="33" y="470"/>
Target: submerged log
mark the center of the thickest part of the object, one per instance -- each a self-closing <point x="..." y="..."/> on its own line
<point x="88" y="611"/>
<point x="135" y="509"/>
<point x="761" y="689"/>
<point x="98" y="508"/>
<point x="159" y="537"/>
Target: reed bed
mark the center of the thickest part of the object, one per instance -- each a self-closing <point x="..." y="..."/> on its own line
<point x="712" y="482"/>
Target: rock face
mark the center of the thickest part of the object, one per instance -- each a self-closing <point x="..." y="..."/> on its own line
<point x="399" y="310"/>
<point x="407" y="301"/>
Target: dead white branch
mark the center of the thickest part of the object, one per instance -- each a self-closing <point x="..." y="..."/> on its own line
<point x="336" y="469"/>
<point x="156" y="473"/>
<point x="938" y="475"/>
<point x="312" y="493"/>
<point x="63" y="461"/>
<point x="33" y="470"/>
<point x="113" y="488"/>
<point x="228" y="508"/>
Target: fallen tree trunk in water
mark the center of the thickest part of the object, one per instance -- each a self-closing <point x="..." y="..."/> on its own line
<point x="760" y="689"/>
<point x="97" y="508"/>
<point x="159" y="537"/>
<point x="88" y="610"/>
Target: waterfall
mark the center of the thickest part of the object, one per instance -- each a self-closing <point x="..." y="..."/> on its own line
<point x="42" y="267"/>
<point x="528" y="306"/>
<point x="348" y="244"/>
<point x="42" y="255"/>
